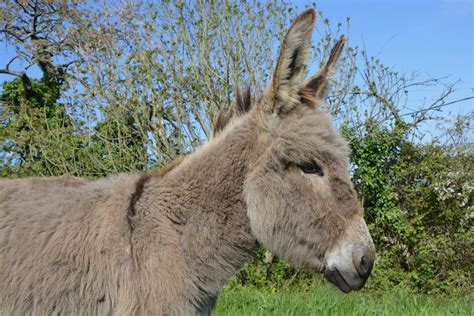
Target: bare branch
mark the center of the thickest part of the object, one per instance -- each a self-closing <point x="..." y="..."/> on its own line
<point x="22" y="7"/>
<point x="458" y="100"/>
<point x="11" y="72"/>
<point x="7" y="67"/>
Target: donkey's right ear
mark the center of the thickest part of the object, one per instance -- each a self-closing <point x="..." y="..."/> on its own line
<point x="314" y="89"/>
<point x="282" y="93"/>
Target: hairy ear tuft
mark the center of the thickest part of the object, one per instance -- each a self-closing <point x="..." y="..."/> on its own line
<point x="282" y="94"/>
<point x="316" y="87"/>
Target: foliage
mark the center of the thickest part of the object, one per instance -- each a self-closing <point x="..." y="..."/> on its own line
<point x="418" y="201"/>
<point x="28" y="125"/>
<point x="171" y="66"/>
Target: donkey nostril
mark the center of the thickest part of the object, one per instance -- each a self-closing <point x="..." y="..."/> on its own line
<point x="365" y="267"/>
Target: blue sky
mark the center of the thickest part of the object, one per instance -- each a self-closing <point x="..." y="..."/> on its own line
<point x="433" y="38"/>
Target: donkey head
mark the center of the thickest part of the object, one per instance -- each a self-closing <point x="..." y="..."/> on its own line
<point x="300" y="200"/>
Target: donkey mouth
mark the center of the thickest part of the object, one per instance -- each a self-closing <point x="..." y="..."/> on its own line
<point x="335" y="277"/>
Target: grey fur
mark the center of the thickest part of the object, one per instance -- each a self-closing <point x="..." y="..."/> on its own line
<point x="74" y="246"/>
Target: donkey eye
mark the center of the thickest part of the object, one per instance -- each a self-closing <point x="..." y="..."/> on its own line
<point x="312" y="168"/>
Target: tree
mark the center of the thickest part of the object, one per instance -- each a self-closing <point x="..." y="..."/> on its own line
<point x="41" y="33"/>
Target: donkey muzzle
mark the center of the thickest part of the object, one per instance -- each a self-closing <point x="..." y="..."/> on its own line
<point x="349" y="280"/>
<point x="350" y="262"/>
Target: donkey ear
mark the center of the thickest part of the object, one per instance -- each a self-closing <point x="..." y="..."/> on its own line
<point x="316" y="87"/>
<point x="282" y="93"/>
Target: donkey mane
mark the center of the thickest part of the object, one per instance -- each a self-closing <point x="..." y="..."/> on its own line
<point x="241" y="105"/>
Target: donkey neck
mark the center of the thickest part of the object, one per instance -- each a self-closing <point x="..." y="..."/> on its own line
<point x="202" y="200"/>
<point x="213" y="177"/>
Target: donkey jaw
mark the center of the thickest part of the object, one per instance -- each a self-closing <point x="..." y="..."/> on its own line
<point x="350" y="262"/>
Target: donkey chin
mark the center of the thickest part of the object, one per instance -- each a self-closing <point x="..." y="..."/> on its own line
<point x="349" y="263"/>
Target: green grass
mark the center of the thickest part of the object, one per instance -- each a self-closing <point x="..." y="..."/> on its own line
<point x="327" y="300"/>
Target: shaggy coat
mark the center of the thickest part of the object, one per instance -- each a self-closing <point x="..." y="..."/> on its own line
<point x="165" y="243"/>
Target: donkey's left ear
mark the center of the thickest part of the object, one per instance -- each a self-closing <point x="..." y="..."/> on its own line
<point x="282" y="93"/>
<point x="315" y="88"/>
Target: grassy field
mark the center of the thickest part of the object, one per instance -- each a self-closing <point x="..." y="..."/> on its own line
<point x="327" y="300"/>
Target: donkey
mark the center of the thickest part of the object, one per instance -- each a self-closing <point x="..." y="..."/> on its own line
<point x="166" y="243"/>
